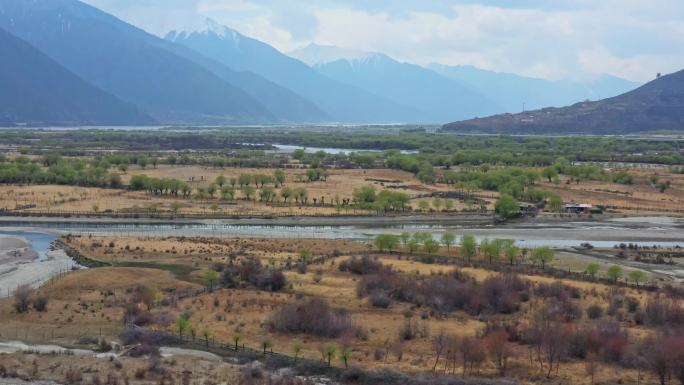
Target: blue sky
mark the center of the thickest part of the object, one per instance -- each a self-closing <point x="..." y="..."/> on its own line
<point x="552" y="39"/>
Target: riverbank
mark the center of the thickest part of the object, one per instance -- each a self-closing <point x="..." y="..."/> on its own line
<point x="20" y="264"/>
<point x="469" y="219"/>
<point x="607" y="233"/>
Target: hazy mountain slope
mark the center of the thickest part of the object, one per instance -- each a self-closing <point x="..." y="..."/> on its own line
<point x="512" y="91"/>
<point x="341" y="102"/>
<point x="284" y="103"/>
<point x="314" y="54"/>
<point x="440" y="98"/>
<point x="656" y="106"/>
<point x="130" y="63"/>
<point x="36" y="90"/>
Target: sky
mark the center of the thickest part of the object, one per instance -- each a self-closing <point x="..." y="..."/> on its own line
<point x="551" y="39"/>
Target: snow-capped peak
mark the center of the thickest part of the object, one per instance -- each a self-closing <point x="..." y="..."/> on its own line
<point x="205" y="26"/>
<point x="314" y="54"/>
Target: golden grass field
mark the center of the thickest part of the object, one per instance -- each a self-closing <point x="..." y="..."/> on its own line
<point x="123" y="370"/>
<point x="89" y="302"/>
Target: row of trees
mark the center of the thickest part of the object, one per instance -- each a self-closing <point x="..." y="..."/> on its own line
<point x="69" y="172"/>
<point x="492" y="251"/>
<point x="368" y="198"/>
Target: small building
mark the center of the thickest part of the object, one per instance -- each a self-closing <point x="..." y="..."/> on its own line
<point x="578" y="208"/>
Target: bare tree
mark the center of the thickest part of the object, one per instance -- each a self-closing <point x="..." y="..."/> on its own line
<point x="591" y="365"/>
<point x="499" y="349"/>
<point x="22" y="298"/>
<point x="439" y="343"/>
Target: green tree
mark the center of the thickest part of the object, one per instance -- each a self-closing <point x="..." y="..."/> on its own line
<point x="424" y="206"/>
<point x="549" y="173"/>
<point x="507" y="207"/>
<point x="412" y="246"/>
<point x="301" y="195"/>
<point x="345" y="355"/>
<point x="267" y="344"/>
<point x="286" y="194"/>
<point x="279" y="176"/>
<point x="405" y="237"/>
<point x="491" y="250"/>
<point x="555" y="203"/>
<point x="244" y="180"/>
<point x="296" y="350"/>
<point x="329" y="351"/>
<point x="266" y="195"/>
<point x="364" y="197"/>
<point x="236" y="339"/>
<point x="512" y="252"/>
<point x="247" y="192"/>
<point x="448" y="240"/>
<point x="387" y="242"/>
<point x="228" y="193"/>
<point x="468" y="247"/>
<point x="637" y="276"/>
<point x="614" y="272"/>
<point x="211" y="278"/>
<point x="182" y="324"/>
<point x="593" y="269"/>
<point x="542" y="256"/>
<point x="430" y="246"/>
<point x="304" y="255"/>
<point x="437" y="204"/>
<point x="220" y="180"/>
<point x="205" y="334"/>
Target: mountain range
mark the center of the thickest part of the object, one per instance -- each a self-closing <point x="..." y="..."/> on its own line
<point x="437" y="97"/>
<point x="341" y="102"/>
<point x="88" y="67"/>
<point x="515" y="93"/>
<point x="143" y="69"/>
<point x="655" y="106"/>
<point x="37" y="90"/>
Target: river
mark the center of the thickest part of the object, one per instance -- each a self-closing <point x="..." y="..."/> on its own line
<point x="662" y="232"/>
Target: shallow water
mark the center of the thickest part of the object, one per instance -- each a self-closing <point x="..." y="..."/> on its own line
<point x="600" y="234"/>
<point x="40" y="242"/>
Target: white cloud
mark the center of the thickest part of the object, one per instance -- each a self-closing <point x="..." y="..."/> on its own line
<point x="551" y="39"/>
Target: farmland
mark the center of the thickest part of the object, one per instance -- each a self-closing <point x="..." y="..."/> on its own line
<point x="431" y="258"/>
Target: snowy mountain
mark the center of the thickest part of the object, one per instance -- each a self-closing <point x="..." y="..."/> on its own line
<point x="342" y="102"/>
<point x="436" y="96"/>
<point x="170" y="82"/>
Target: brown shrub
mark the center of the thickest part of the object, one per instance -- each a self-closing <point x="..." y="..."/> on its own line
<point x="313" y="316"/>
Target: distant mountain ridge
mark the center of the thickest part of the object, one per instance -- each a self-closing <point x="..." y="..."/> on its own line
<point x="437" y="97"/>
<point x="515" y="92"/>
<point x="341" y="102"/>
<point x="655" y="106"/>
<point x="36" y="90"/>
<point x="314" y="54"/>
<point x="211" y="75"/>
<point x="158" y="76"/>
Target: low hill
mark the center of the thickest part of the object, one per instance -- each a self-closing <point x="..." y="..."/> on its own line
<point x="655" y="106"/>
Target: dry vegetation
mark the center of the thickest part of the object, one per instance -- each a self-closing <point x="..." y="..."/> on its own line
<point x="400" y="332"/>
<point x="70" y="369"/>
